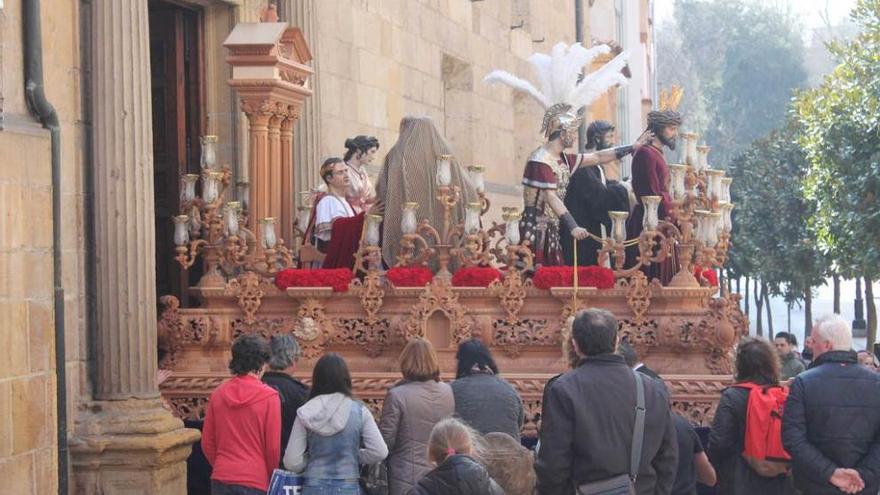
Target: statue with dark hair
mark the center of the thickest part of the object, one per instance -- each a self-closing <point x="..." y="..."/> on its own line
<point x="590" y="195"/>
<point x="360" y="152"/>
<point x="650" y="177"/>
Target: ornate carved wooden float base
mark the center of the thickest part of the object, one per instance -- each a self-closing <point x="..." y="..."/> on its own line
<point x="686" y="334"/>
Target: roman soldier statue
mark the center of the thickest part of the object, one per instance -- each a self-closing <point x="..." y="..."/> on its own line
<point x="650" y="177"/>
<point x="564" y="93"/>
<point x="593" y="192"/>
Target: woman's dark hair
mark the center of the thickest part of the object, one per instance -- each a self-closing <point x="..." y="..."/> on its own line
<point x="757" y="362"/>
<point x="249" y="353"/>
<point x="359" y="144"/>
<point x="330" y="376"/>
<point x="472" y="353"/>
<point x="327" y="168"/>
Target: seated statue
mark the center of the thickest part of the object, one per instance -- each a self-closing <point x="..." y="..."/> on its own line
<point x="409" y="174"/>
<point x="335" y="228"/>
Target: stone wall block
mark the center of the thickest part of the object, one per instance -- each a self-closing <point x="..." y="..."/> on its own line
<point x="30" y="415"/>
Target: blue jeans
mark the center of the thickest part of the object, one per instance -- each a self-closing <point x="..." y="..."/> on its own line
<point x="331" y="487"/>
<point x="220" y="488"/>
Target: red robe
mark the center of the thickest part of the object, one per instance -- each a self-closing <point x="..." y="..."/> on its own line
<point x="650" y="177"/>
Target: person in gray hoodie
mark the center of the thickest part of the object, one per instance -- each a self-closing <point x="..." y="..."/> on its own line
<point x="333" y="434"/>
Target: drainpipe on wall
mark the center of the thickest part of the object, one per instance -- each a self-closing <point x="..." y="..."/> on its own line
<point x="46" y="114"/>
<point x="579" y="37"/>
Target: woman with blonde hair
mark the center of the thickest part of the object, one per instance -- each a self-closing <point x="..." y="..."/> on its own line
<point x="412" y="407"/>
<point x="454" y="448"/>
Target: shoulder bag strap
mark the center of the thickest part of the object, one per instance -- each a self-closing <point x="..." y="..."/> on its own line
<point x="639" y="429"/>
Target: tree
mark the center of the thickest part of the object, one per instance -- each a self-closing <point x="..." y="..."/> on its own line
<point x="747" y="57"/>
<point x="841" y="121"/>
<point x="782" y="254"/>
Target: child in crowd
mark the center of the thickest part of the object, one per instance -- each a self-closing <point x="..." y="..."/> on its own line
<point x="452" y="447"/>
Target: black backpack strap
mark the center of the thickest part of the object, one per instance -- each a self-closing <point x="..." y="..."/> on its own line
<point x="639" y="429"/>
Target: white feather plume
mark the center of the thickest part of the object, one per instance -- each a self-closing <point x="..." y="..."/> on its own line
<point x="596" y="83"/>
<point x="558" y="72"/>
<point x="503" y="77"/>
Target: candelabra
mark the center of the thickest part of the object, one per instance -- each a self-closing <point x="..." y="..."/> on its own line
<point x="701" y="208"/>
<point x="516" y="256"/>
<point x="655" y="243"/>
<point x="208" y="227"/>
<point x="464" y="241"/>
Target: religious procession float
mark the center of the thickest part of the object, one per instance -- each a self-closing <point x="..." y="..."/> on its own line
<point x="424" y="263"/>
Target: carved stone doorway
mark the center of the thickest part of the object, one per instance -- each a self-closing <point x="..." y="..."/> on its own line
<point x="177" y="86"/>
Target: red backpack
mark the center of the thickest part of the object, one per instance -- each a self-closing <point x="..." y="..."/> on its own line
<point x="763" y="443"/>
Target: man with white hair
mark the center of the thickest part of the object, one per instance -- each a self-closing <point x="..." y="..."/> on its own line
<point x="831" y="423"/>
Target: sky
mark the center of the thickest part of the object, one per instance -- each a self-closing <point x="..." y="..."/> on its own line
<point x="810" y="11"/>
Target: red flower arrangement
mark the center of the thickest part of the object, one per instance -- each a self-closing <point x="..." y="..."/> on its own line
<point x="409" y="276"/>
<point x="475" y="276"/>
<point x="708" y="275"/>
<point x="338" y="278"/>
<point x="563" y="276"/>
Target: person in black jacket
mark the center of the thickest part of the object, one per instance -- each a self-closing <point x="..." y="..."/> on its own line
<point x="831" y="422"/>
<point x="451" y="447"/>
<point x="756" y="362"/>
<point x="587" y="424"/>
<point x="293" y="393"/>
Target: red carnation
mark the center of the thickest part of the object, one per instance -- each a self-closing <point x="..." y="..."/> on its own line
<point x="337" y="278"/>
<point x="475" y="276"/>
<point x="563" y="276"/>
<point x="409" y="276"/>
<point x="708" y="275"/>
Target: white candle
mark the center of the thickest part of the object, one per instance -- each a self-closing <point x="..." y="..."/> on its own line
<point x="188" y="187"/>
<point x="618" y="225"/>
<point x="372" y="236"/>
<point x="444" y="170"/>
<point x="652" y="205"/>
<point x="181" y="230"/>
<point x="408" y="220"/>
<point x="472" y="218"/>
<point x="267" y="225"/>
<point x="476" y="177"/>
<point x="677" y="175"/>
<point x="230" y="217"/>
<point x="511" y="232"/>
<point x="209" y="152"/>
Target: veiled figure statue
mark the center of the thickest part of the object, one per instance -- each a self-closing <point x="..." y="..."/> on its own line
<point x="409" y="175"/>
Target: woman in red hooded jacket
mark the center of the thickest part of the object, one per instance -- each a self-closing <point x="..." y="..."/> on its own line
<point x="243" y="424"/>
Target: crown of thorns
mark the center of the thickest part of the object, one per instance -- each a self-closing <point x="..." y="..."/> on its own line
<point x="664" y="118"/>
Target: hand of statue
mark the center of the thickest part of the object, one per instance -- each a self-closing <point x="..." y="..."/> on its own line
<point x="612" y="170"/>
<point x="847" y="480"/>
<point x="579" y="233"/>
<point x="644" y="138"/>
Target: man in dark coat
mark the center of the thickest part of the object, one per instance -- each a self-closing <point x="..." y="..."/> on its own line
<point x="831" y="423"/>
<point x="592" y="192"/>
<point x="293" y="393"/>
<point x="588" y="418"/>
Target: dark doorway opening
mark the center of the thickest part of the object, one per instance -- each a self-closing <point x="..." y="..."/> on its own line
<point x="177" y="84"/>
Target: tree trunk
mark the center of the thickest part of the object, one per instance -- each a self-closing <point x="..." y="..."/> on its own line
<point x="808" y="312"/>
<point x="788" y="317"/>
<point x="872" y="313"/>
<point x="765" y="293"/>
<point x="746" y="299"/>
<point x="738" y="286"/>
<point x="836" y="280"/>
<point x="759" y="300"/>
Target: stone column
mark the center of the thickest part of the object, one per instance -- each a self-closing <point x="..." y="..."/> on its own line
<point x="124" y="440"/>
<point x="258" y="113"/>
<point x="275" y="161"/>
<point x="307" y="131"/>
<point x="288" y="204"/>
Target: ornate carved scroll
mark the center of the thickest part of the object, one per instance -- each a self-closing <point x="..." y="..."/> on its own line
<point x="438" y="296"/>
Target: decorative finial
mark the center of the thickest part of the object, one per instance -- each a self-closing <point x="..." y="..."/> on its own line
<point x="670" y="99"/>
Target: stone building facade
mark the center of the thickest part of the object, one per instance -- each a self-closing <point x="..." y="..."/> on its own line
<point x="134" y="83"/>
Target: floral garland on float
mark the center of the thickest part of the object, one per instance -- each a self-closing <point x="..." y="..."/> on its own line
<point x="337" y="278"/>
